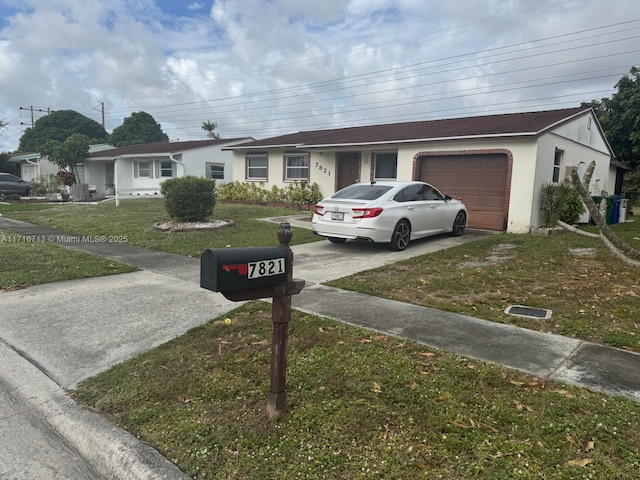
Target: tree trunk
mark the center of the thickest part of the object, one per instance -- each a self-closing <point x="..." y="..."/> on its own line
<point x="80" y="192"/>
<point x="598" y="215"/>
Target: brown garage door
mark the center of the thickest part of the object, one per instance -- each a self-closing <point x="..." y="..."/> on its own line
<point x="480" y="180"/>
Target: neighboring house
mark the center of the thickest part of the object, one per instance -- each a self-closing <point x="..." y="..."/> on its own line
<point x="496" y="164"/>
<point x="140" y="169"/>
<point x="32" y="165"/>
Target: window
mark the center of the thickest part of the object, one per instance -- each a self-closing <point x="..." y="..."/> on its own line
<point x="297" y="166"/>
<point x="362" y="192"/>
<point x="256" y="167"/>
<point x="166" y="169"/>
<point x="418" y="193"/>
<point x="144" y="169"/>
<point x="215" y="171"/>
<point x="557" y="161"/>
<point x="430" y="193"/>
<point x="409" y="194"/>
<point x="386" y="165"/>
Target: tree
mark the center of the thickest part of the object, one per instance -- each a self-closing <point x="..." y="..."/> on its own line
<point x="8" y="167"/>
<point x="59" y="126"/>
<point x="209" y="128"/>
<point x="619" y="247"/>
<point x="139" y="128"/>
<point x="620" y="119"/>
<point x="68" y="153"/>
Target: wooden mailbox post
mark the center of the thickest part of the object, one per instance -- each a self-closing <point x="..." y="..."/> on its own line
<point x="253" y="273"/>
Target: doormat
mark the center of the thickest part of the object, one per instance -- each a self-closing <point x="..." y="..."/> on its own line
<point x="528" y="312"/>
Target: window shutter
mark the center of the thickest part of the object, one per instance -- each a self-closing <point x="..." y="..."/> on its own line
<point x="136" y="169"/>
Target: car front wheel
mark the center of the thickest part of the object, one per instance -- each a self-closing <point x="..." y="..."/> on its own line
<point x="401" y="236"/>
<point x="459" y="224"/>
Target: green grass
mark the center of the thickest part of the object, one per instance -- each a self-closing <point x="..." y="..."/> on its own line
<point x="135" y="219"/>
<point x="25" y="261"/>
<point x="360" y="406"/>
<point x="363" y="405"/>
<point x="594" y="297"/>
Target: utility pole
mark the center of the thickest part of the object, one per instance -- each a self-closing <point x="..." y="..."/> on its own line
<point x="102" y="111"/>
<point x="31" y="109"/>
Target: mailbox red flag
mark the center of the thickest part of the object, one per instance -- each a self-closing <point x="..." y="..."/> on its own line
<point x="242" y="268"/>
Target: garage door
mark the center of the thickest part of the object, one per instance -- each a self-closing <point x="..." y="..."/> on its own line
<point x="480" y="180"/>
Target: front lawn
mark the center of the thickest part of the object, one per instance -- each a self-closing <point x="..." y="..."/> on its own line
<point x="360" y="406"/>
<point x="134" y="219"/>
<point x="28" y="260"/>
<point x="592" y="294"/>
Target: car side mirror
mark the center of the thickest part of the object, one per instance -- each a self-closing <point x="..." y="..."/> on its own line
<point x="447" y="198"/>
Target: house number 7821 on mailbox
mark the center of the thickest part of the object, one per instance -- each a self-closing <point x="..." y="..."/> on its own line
<point x="266" y="268"/>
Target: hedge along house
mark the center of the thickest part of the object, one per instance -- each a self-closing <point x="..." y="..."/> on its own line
<point x="140" y="169"/>
<point x="496" y="164"/>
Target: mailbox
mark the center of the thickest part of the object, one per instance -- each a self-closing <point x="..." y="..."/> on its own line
<point x="230" y="269"/>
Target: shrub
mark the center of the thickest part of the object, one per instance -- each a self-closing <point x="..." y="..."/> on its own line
<point x="67" y="178"/>
<point x="189" y="199"/>
<point x="44" y="184"/>
<point x="573" y="206"/>
<point x="297" y="193"/>
<point x="303" y="193"/>
<point x="560" y="202"/>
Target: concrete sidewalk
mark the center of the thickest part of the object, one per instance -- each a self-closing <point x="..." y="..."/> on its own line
<point x="48" y="344"/>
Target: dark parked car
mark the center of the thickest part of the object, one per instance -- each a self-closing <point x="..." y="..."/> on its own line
<point x="12" y="185"/>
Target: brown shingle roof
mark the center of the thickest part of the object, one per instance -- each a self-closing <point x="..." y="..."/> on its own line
<point x="530" y="123"/>
<point x="162" y="147"/>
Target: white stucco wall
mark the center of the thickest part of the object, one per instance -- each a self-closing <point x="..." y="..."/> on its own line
<point x="321" y="169"/>
<point x="195" y="161"/>
<point x="581" y="143"/>
<point x="94" y="174"/>
<point x="33" y="167"/>
<point x="532" y="164"/>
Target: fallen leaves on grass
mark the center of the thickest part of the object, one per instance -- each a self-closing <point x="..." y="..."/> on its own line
<point x="564" y="393"/>
<point x="521" y="406"/>
<point x="578" y="462"/>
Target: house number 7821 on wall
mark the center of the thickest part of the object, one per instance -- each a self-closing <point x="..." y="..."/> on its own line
<point x="266" y="268"/>
<point x="323" y="169"/>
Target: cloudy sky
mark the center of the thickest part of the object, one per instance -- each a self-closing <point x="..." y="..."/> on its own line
<point x="267" y="67"/>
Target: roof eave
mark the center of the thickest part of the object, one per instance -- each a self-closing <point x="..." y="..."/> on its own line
<point x="262" y="147"/>
<point x="418" y="140"/>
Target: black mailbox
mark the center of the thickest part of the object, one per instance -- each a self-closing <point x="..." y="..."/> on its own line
<point x="230" y="269"/>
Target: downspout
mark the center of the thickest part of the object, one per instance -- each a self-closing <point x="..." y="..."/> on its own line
<point x="177" y="162"/>
<point x="36" y="163"/>
<point x="115" y="180"/>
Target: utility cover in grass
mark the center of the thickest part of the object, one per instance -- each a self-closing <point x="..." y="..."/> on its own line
<point x="528" y="312"/>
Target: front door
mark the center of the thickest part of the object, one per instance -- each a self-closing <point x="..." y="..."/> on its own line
<point x="348" y="169"/>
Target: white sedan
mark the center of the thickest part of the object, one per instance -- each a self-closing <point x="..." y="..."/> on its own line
<point x="388" y="212"/>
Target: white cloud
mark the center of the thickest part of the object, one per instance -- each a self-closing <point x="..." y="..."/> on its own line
<point x="262" y="68"/>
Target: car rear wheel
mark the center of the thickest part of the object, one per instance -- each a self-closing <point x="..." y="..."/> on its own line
<point x="459" y="224"/>
<point x="337" y="240"/>
<point x="401" y="236"/>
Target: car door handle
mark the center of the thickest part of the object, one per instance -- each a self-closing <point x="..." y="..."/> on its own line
<point x="411" y="208"/>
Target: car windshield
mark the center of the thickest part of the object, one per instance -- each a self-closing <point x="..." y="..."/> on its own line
<point x="363" y="192"/>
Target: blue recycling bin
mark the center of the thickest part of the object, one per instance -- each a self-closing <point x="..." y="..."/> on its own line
<point x="615" y="214"/>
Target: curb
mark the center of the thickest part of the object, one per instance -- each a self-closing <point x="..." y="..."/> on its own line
<point x="111" y="451"/>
